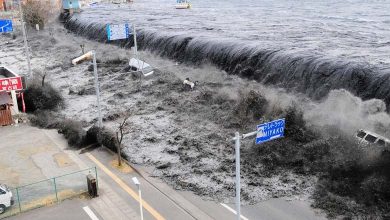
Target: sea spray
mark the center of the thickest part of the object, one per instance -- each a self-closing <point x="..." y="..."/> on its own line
<point x="312" y="75"/>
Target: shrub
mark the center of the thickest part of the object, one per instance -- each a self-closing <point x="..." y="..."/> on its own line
<point x="251" y="107"/>
<point x="38" y="12"/>
<point x="358" y="181"/>
<point x="300" y="150"/>
<point x="107" y="138"/>
<point x="375" y="189"/>
<point x="352" y="182"/>
<point x="73" y="132"/>
<point x="34" y="13"/>
<point x="44" y="119"/>
<point x="38" y="97"/>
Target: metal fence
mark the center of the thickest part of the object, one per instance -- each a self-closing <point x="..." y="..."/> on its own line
<point x="49" y="191"/>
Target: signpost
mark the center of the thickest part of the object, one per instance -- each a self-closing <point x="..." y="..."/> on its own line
<point x="122" y="31"/>
<point x="264" y="132"/>
<point x="117" y="31"/>
<point x="6" y="26"/>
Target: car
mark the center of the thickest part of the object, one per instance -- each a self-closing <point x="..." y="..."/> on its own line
<point x="138" y="65"/>
<point x="370" y="138"/>
<point x="6" y="199"/>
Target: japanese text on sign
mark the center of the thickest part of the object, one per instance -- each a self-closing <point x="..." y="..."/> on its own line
<point x="13" y="83"/>
<point x="117" y="31"/>
<point x="269" y="131"/>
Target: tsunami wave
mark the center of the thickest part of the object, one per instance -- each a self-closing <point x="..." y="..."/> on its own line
<point x="314" y="76"/>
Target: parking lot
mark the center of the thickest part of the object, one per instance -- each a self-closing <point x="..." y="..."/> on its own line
<point x="31" y="157"/>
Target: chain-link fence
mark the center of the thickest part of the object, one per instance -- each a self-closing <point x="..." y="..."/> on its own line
<point x="49" y="191"/>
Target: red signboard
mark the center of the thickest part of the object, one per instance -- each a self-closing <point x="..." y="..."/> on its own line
<point x="12" y="83"/>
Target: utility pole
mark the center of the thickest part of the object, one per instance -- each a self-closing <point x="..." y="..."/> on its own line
<point x="25" y="40"/>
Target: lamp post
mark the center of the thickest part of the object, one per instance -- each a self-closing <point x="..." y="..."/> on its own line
<point x="25" y="40"/>
<point x="136" y="182"/>
<point x="95" y="73"/>
<point x="88" y="56"/>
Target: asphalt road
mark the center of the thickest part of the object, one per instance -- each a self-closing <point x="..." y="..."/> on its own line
<point x="69" y="209"/>
<point x="118" y="195"/>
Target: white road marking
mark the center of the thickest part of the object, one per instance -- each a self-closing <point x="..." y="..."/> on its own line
<point x="90" y="213"/>
<point x="234" y="211"/>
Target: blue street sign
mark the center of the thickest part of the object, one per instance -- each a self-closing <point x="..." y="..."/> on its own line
<point x="6" y="26"/>
<point x="117" y="31"/>
<point x="270" y="130"/>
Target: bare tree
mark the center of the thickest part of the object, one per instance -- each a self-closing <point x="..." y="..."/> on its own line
<point x="38" y="12"/>
<point x="120" y="133"/>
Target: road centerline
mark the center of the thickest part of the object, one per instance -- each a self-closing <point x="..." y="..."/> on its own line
<point x="125" y="187"/>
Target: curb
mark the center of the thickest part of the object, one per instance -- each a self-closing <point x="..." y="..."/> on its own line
<point x="170" y="193"/>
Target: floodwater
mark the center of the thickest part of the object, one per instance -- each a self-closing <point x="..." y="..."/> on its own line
<point x="310" y="47"/>
<point x="356" y="30"/>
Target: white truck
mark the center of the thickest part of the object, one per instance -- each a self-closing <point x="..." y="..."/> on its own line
<point x="6" y="199"/>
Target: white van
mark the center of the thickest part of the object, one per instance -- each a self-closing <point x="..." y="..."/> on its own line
<point x="368" y="138"/>
<point x="6" y="199"/>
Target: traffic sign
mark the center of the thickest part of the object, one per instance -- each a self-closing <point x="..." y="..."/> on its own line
<point x="117" y="31"/>
<point x="270" y="130"/>
<point x="6" y="26"/>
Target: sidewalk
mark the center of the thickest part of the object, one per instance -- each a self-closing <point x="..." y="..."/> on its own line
<point x="109" y="204"/>
<point x="156" y="202"/>
<point x="35" y="156"/>
<point x="42" y="154"/>
<point x="30" y="154"/>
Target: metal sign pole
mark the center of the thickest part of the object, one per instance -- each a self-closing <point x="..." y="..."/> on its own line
<point x="135" y="42"/>
<point x="95" y="73"/>
<point x="25" y="40"/>
<point x="136" y="47"/>
<point x="265" y="132"/>
<point x="238" y="177"/>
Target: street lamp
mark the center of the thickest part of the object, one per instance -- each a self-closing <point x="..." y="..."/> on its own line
<point x="88" y="56"/>
<point x="25" y="39"/>
<point x="136" y="182"/>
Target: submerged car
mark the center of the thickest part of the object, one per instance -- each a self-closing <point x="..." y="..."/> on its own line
<point x="371" y="138"/>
